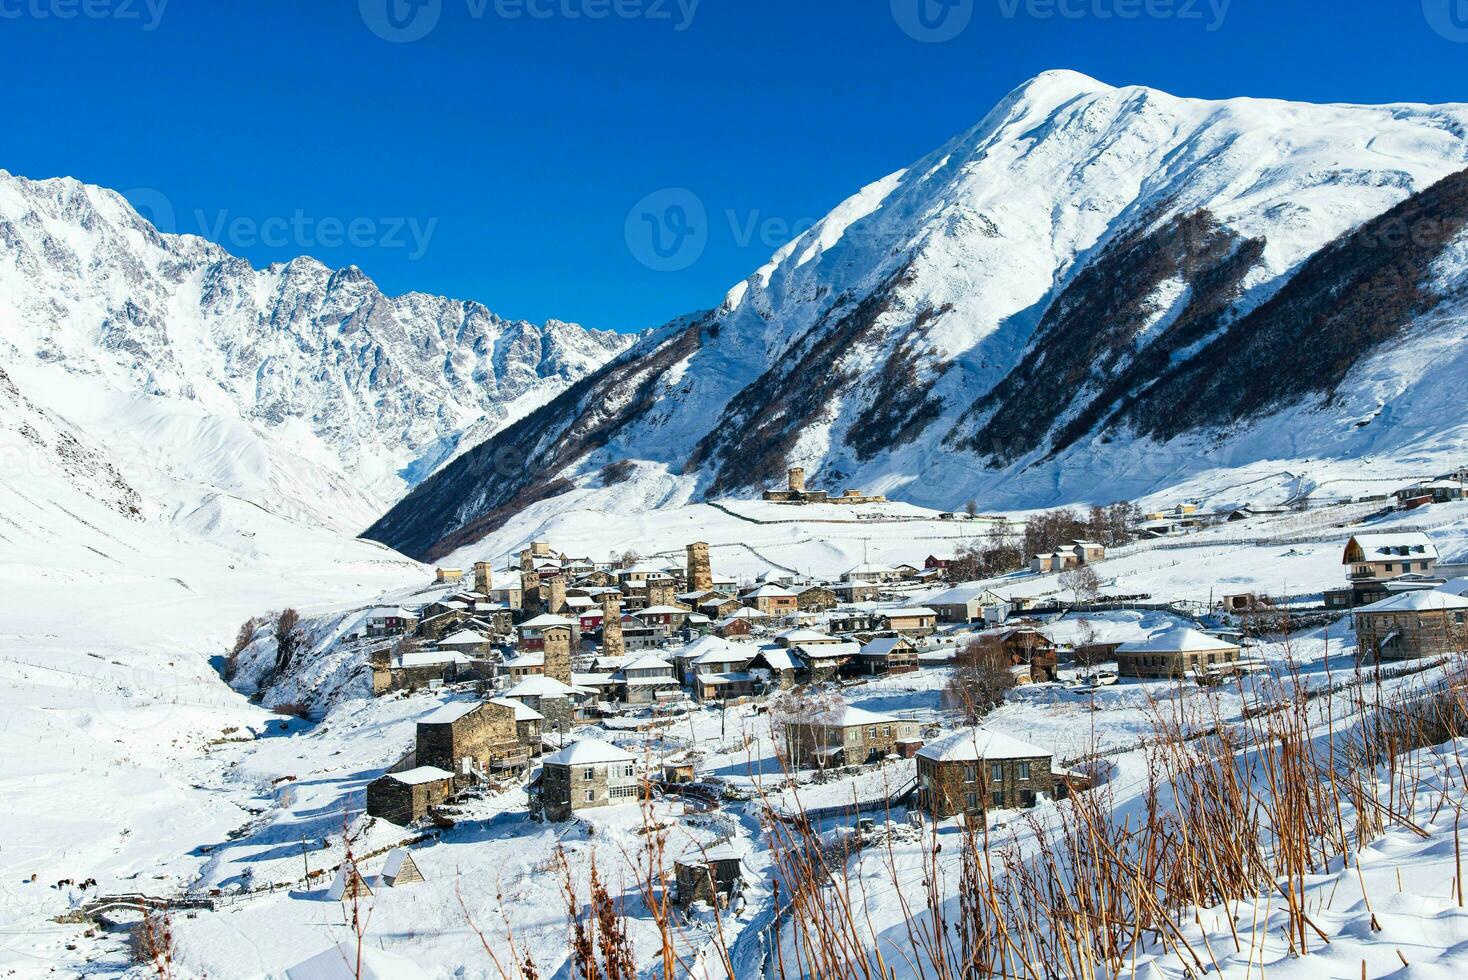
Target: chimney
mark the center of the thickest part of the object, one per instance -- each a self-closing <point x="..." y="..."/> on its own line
<point x="797" y="479"/>
<point x="611" y="625"/>
<point x="700" y="572"/>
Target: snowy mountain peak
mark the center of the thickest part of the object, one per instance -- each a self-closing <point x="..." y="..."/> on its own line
<point x="1026" y="308"/>
<point x="318" y="363"/>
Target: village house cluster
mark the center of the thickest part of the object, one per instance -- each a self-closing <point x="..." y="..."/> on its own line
<point x="556" y="641"/>
<point x="533" y="653"/>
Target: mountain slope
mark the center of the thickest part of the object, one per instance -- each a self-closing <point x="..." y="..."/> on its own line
<point x="296" y="360"/>
<point x="1016" y="316"/>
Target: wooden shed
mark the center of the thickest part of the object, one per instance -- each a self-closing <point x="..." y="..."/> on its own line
<point x="400" y="869"/>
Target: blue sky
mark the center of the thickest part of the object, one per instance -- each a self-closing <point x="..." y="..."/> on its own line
<point x="499" y="156"/>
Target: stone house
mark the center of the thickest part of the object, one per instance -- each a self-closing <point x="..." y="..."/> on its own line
<point x="419" y="670"/>
<point x="448" y="576"/>
<point x="974" y="770"/>
<point x="560" y="704"/>
<point x="517" y="668"/>
<point x="854" y="592"/>
<point x="711" y="655"/>
<point x="969" y="604"/>
<point x="1411" y="625"/>
<point x="773" y="600"/>
<point x="845" y="736"/>
<point x="801" y="636"/>
<point x="872" y="574"/>
<point x="727" y="686"/>
<point x="846" y="621"/>
<point x="815" y="598"/>
<point x="528" y="724"/>
<point x="585" y="774"/>
<point x="467" y="737"/>
<point x="472" y="644"/>
<point x="1175" y="653"/>
<point x="718" y="606"/>
<point x="404" y="797"/>
<point x="670" y="618"/>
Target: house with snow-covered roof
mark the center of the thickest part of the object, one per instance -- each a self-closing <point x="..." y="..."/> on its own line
<point x="647" y="679"/>
<point x="1412" y="625"/>
<point x="1175" y="653"/>
<point x="405" y="797"/>
<point x="975" y="770"/>
<point x="887" y="655"/>
<point x="469" y="738"/>
<point x="772" y="600"/>
<point x="585" y="774"/>
<point x="844" y="735"/>
<point x="1372" y="560"/>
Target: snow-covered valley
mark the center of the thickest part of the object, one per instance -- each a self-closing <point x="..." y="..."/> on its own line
<point x="188" y="443"/>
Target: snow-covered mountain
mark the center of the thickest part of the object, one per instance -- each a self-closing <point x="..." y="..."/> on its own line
<point x="1094" y="293"/>
<point x="300" y="388"/>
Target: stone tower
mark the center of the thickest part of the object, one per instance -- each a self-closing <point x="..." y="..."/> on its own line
<point x="530" y="599"/>
<point x="797" y="479"/>
<point x="611" y="625"/>
<point x="553" y="592"/>
<point x="661" y="593"/>
<point x="558" y="652"/>
<point x="483" y="577"/>
<point x="700" y="572"/>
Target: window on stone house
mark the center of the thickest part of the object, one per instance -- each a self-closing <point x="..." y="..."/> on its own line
<point x="997" y="798"/>
<point x="996" y="772"/>
<point x="591" y="796"/>
<point x="1024" y="770"/>
<point x="973" y="801"/>
<point x="970" y="774"/>
<point x="588" y="774"/>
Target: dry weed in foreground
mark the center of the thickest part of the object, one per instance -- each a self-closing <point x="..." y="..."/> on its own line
<point x="1233" y="811"/>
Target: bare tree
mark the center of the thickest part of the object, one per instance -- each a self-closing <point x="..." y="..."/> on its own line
<point x="1082" y="582"/>
<point x="242" y="639"/>
<point x="287" y="639"/>
<point x="982" y="677"/>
